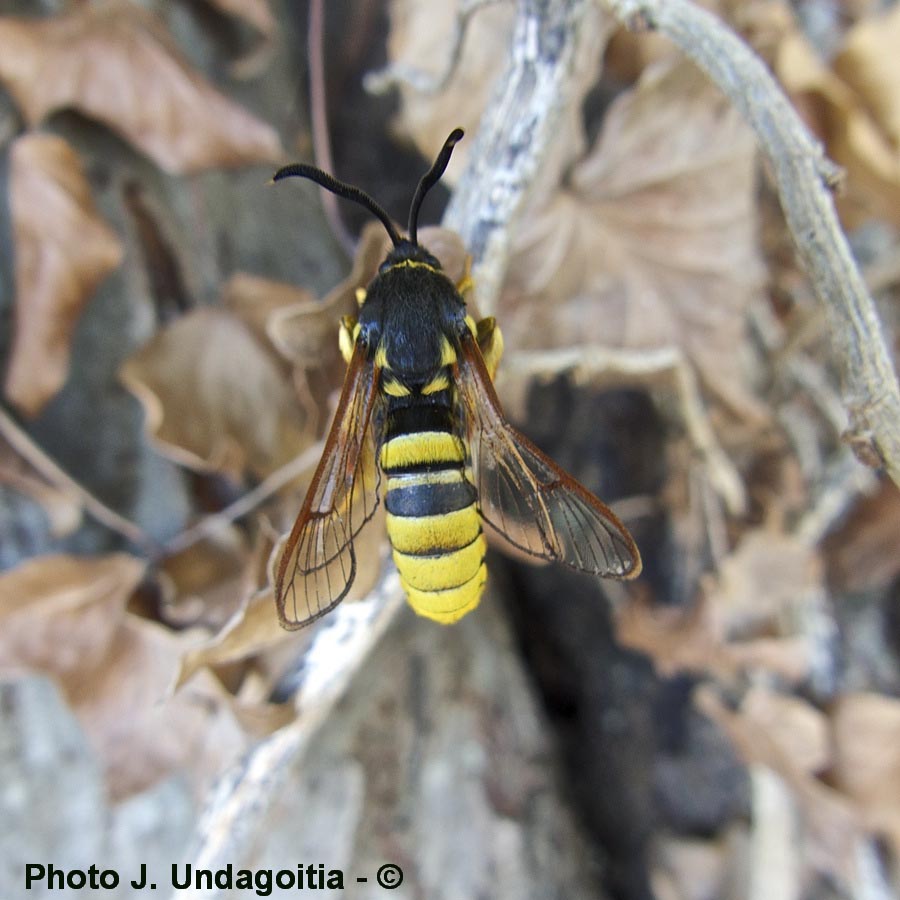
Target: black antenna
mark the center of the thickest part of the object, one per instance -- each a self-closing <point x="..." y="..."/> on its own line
<point x="347" y="191"/>
<point x="430" y="179"/>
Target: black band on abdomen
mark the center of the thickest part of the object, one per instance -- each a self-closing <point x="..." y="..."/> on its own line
<point x="418" y="417"/>
<point x="429" y="498"/>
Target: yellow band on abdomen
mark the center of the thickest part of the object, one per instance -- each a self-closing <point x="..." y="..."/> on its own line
<point x="442" y="571"/>
<point x="421" y="448"/>
<point x="450" y="605"/>
<point x="433" y="534"/>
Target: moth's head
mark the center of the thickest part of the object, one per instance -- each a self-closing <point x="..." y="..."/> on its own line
<point x="408" y="252"/>
<point x="404" y="248"/>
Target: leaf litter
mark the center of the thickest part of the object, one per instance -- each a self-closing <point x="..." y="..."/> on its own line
<point x="116" y="63"/>
<point x="650" y="240"/>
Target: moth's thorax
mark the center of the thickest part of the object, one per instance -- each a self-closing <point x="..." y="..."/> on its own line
<point x="411" y="313"/>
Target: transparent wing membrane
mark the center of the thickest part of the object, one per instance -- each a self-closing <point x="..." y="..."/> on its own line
<point x="318" y="563"/>
<point x="525" y="496"/>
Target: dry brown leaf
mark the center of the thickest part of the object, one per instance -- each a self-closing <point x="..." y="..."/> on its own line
<point x="677" y="640"/>
<point x="799" y="729"/>
<point x="59" y="614"/>
<point x="654" y="241"/>
<point x="748" y="620"/>
<point x="257" y="718"/>
<point x="66" y="617"/>
<point x="63" y="250"/>
<point x="117" y="64"/>
<point x="142" y="733"/>
<point x="693" y="640"/>
<point x="255" y="627"/>
<point x="866" y="735"/>
<point x="870" y="65"/>
<point x="215" y="397"/>
<point x="832" y="827"/>
<point x="861" y="554"/>
<point x="254" y="299"/>
<point x="204" y="583"/>
<point x="252" y="629"/>
<point x="854" y="106"/>
<point x="763" y="585"/>
<point x="630" y="52"/>
<point x="421" y="38"/>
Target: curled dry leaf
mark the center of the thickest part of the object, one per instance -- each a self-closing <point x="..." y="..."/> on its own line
<point x="439" y="93"/>
<point x="252" y="629"/>
<point x="795" y="725"/>
<point x="653" y="243"/>
<point x="855" y="107"/>
<point x="306" y="332"/>
<point x="759" y="615"/>
<point x="60" y="614"/>
<point x="255" y="299"/>
<point x="67" y="617"/>
<point x="765" y="584"/>
<point x="866" y="736"/>
<point x="117" y="64"/>
<point x="204" y="583"/>
<point x="676" y="640"/>
<point x="63" y="250"/>
<point x="832" y="829"/>
<point x="255" y="627"/>
<point x="143" y="734"/>
<point x="216" y="397"/>
<point x="421" y="41"/>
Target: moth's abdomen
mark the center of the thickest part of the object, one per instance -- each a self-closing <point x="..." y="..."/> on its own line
<point x="432" y="518"/>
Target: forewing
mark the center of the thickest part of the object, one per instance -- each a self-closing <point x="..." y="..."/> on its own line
<point x="318" y="563"/>
<point x="525" y="496"/>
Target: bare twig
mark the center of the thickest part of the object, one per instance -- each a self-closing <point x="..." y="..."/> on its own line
<point x="247" y="503"/>
<point x="803" y="176"/>
<point x="592" y="362"/>
<point x="25" y="447"/>
<point x="518" y="131"/>
<point x="319" y="113"/>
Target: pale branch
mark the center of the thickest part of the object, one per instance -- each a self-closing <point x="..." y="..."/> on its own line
<point x="236" y="808"/>
<point x="517" y="133"/>
<point x="804" y="178"/>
